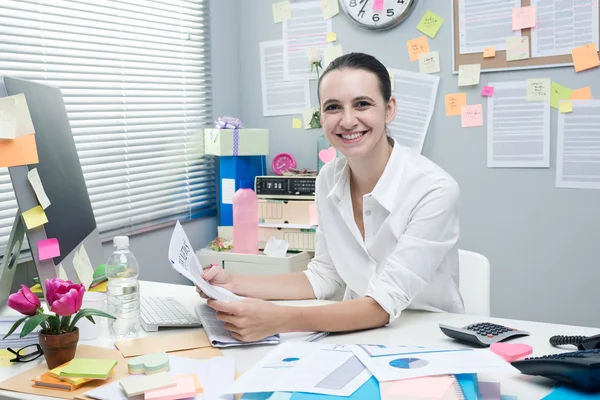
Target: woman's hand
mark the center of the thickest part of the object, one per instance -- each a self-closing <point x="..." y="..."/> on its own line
<point x="250" y="320"/>
<point x="217" y="276"/>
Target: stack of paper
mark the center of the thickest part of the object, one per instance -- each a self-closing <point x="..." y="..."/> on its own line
<point x="13" y="340"/>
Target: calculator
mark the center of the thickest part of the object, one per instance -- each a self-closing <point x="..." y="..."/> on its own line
<point x="482" y="334"/>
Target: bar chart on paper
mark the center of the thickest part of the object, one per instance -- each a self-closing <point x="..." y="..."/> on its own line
<point x="343" y="375"/>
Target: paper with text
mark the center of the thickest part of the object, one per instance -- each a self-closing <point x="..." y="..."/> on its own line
<point x="471" y="116"/>
<point x="15" y="120"/>
<point x="517" y="48"/>
<point x="454" y="102"/>
<point x="36" y="183"/>
<point x="429" y="63"/>
<point x="469" y="74"/>
<point x="417" y="46"/>
<point x="484" y="23"/>
<point x="83" y="267"/>
<point x="563" y="25"/>
<point x="518" y="130"/>
<point x="523" y="17"/>
<point x="227" y="190"/>
<point x="578" y="146"/>
<point x="538" y="89"/>
<point x="281" y="11"/>
<point x="585" y="57"/>
<point x="430" y="24"/>
<point x="415" y="98"/>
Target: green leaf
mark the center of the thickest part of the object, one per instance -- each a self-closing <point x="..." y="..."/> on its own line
<point x="88" y="312"/>
<point x="15" y="326"/>
<point x="33" y="322"/>
<point x="91" y="319"/>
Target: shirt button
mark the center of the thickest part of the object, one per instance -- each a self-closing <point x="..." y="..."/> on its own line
<point x="368" y="212"/>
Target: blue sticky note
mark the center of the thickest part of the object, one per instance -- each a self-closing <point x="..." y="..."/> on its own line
<point x="469" y="385"/>
<point x="568" y="393"/>
<point x="256" y="396"/>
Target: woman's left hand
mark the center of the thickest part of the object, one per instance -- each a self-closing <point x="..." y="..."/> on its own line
<point x="249" y="320"/>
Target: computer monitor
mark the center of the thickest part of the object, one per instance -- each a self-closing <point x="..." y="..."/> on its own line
<point x="70" y="216"/>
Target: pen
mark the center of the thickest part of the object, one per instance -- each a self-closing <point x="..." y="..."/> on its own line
<point x="316" y="336"/>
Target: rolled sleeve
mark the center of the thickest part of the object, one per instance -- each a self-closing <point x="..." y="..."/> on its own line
<point x="321" y="273"/>
<point x="432" y="232"/>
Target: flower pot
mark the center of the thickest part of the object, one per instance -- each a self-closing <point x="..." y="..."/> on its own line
<point x="58" y="349"/>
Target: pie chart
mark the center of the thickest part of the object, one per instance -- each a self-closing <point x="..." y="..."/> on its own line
<point x="408" y="363"/>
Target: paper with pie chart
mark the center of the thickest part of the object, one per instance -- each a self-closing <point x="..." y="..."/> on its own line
<point x="403" y="362"/>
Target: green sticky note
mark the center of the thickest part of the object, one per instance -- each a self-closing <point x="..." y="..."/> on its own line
<point x="96" y="368"/>
<point x="558" y="93"/>
<point x="430" y="24"/>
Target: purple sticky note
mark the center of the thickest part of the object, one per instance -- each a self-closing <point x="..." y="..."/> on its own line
<point x="48" y="249"/>
<point x="487" y="91"/>
<point x="378" y="5"/>
<point x="489" y="390"/>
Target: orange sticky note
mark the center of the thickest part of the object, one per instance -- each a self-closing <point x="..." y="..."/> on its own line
<point x="471" y="116"/>
<point x="417" y="46"/>
<point x="489" y="52"/>
<point x="523" y="17"/>
<point x="454" y="102"/>
<point x="20" y="151"/>
<point x="585" y="57"/>
<point x="582" y="94"/>
<point x="312" y="212"/>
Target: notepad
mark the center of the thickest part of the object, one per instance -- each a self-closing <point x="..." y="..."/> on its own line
<point x="135" y="385"/>
<point x="47" y="381"/>
<point x="96" y="368"/>
<point x="55" y="373"/>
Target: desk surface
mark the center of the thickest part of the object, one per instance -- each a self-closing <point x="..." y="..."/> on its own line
<point x="412" y="328"/>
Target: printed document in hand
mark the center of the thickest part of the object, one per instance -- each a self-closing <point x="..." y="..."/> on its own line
<point x="218" y="335"/>
<point x="305" y="367"/>
<point x="404" y="362"/>
<point x="184" y="260"/>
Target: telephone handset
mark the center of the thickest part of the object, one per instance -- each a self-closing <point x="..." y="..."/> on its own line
<point x="582" y="342"/>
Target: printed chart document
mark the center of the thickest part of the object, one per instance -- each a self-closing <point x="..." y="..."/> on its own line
<point x="518" y="130"/>
<point x="280" y="97"/>
<point x="306" y="29"/>
<point x="184" y="260"/>
<point x="485" y="23"/>
<point x="563" y="25"/>
<point x="305" y="367"/>
<point x="415" y="94"/>
<point x="403" y="362"/>
<point x="578" y="147"/>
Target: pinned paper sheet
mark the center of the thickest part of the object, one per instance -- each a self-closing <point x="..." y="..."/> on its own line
<point x="468" y="74"/>
<point x="15" y="120"/>
<point x="582" y="94"/>
<point x="585" y="57"/>
<point x="20" y="151"/>
<point x="83" y="267"/>
<point x="430" y="24"/>
<point x="538" y="89"/>
<point x="417" y="46"/>
<point x="61" y="273"/>
<point x="558" y="93"/>
<point x="35" y="217"/>
<point x="378" y="5"/>
<point x="523" y="17"/>
<point x="429" y="63"/>
<point x="430" y="387"/>
<point x="489" y="52"/>
<point x="517" y="48"/>
<point x="331" y="36"/>
<point x="471" y="116"/>
<point x="281" y="11"/>
<point x="296" y="123"/>
<point x="565" y="106"/>
<point x="48" y="248"/>
<point x="313" y="215"/>
<point x="38" y="188"/>
<point x="331" y="53"/>
<point x="330" y="8"/>
<point x="392" y="79"/>
<point x="487" y="91"/>
<point x="454" y="102"/>
<point x="227" y="190"/>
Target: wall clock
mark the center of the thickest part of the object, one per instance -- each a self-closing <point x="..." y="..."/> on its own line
<point x="378" y="14"/>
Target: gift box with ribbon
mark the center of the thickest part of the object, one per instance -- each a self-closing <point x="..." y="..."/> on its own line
<point x="228" y="137"/>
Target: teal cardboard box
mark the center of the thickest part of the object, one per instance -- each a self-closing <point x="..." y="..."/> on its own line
<point x="236" y="142"/>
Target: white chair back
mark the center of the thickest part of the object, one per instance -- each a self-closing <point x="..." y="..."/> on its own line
<point x="474" y="282"/>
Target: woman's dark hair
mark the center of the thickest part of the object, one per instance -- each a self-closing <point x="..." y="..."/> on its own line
<point x="365" y="62"/>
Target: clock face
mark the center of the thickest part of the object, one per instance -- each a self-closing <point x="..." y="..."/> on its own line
<point x="378" y="14"/>
<point x="282" y="162"/>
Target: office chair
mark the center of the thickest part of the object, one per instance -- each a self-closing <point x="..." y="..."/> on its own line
<point x="474" y="282"/>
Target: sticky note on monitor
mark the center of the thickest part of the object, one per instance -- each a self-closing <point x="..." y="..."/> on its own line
<point x="20" y="151"/>
<point x="83" y="267"/>
<point x="430" y="24"/>
<point x="429" y="63"/>
<point x="585" y="57"/>
<point x="35" y="217"/>
<point x="469" y="74"/>
<point x="454" y="102"/>
<point x="281" y="11"/>
<point x="517" y="48"/>
<point x="471" y="116"/>
<point x="538" y="89"/>
<point x="523" y="17"/>
<point x="36" y="183"/>
<point x="48" y="249"/>
<point x="15" y="120"/>
<point x="582" y="94"/>
<point x="557" y="93"/>
<point x="416" y="47"/>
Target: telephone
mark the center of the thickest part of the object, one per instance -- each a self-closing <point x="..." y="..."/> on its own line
<point x="582" y="342"/>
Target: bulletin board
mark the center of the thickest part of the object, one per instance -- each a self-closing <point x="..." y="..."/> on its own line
<point x="499" y="62"/>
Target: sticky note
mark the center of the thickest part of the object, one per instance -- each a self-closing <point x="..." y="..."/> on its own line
<point x="489" y="52"/>
<point x="15" y="120"/>
<point x="61" y="273"/>
<point x="35" y="217"/>
<point x="430" y="24"/>
<point x="329" y="8"/>
<point x="454" y="102"/>
<point x="307" y="117"/>
<point x="97" y="368"/>
<point x="523" y="17"/>
<point x="36" y="183"/>
<point x="429" y="63"/>
<point x="83" y="267"/>
<point x="416" y="47"/>
<point x="331" y="36"/>
<point x="585" y="57"/>
<point x="184" y="388"/>
<point x="20" y="151"/>
<point x="517" y="48"/>
<point x="468" y="74"/>
<point x="312" y="212"/>
<point x="489" y="390"/>
<point x="331" y="53"/>
<point x="582" y="94"/>
<point x="430" y="387"/>
<point x="565" y="106"/>
<point x="392" y="79"/>
<point x="281" y="11"/>
<point x="135" y="385"/>
<point x="378" y="5"/>
<point x="5" y="357"/>
<point x="557" y="93"/>
<point x="487" y="91"/>
<point x="48" y="248"/>
<point x="538" y="89"/>
<point x="471" y="116"/>
<point x="296" y="123"/>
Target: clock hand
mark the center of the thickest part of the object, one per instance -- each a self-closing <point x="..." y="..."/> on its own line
<point x="362" y="10"/>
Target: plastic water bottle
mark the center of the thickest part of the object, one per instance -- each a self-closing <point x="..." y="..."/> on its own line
<point x="245" y="219"/>
<point x="123" y="291"/>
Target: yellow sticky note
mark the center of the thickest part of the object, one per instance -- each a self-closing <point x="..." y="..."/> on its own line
<point x="585" y="57"/>
<point x="558" y="93"/>
<point x="489" y="52"/>
<point x="35" y="217"/>
<point x="566" y="106"/>
<point x="330" y="8"/>
<point x="5" y="357"/>
<point x="281" y="11"/>
<point x="297" y="123"/>
<point x="429" y="63"/>
<point x="517" y="48"/>
<point x="454" y="102"/>
<point x="469" y="74"/>
<point x="331" y="53"/>
<point x="392" y="79"/>
<point x="538" y="89"/>
<point x="331" y="36"/>
<point x="430" y="24"/>
<point x="416" y="47"/>
<point x="582" y="94"/>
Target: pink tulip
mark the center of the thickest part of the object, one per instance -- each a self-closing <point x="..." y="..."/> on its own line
<point x="24" y="301"/>
<point x="64" y="297"/>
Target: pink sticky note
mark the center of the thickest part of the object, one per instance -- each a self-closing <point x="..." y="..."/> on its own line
<point x="429" y="386"/>
<point x="48" y="248"/>
<point x="185" y="387"/>
<point x="523" y="17"/>
<point x="487" y="91"/>
<point x="378" y="5"/>
<point x="312" y="211"/>
<point x="471" y="116"/>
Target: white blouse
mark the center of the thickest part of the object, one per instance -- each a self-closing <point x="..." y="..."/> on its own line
<point x="409" y="257"/>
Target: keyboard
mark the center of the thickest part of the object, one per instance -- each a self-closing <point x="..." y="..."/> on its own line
<point x="165" y="312"/>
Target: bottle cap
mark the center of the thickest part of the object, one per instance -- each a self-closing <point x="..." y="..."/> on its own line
<point x="246" y="184"/>
<point x="121" y="241"/>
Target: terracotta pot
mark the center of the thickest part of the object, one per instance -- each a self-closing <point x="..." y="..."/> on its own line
<point x="58" y="349"/>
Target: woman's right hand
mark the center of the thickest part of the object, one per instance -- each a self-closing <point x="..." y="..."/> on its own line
<point x="216" y="276"/>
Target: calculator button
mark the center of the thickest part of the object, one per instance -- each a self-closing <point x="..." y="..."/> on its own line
<point x="490" y="336"/>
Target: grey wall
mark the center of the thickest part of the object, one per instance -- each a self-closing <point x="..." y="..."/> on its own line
<point x="542" y="242"/>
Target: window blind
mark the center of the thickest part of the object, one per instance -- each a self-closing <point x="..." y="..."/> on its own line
<point x="135" y="77"/>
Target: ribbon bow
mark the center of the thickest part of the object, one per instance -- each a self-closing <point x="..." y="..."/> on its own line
<point x="231" y="123"/>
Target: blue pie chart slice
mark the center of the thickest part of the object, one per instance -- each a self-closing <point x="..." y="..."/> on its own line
<point x="408" y="363"/>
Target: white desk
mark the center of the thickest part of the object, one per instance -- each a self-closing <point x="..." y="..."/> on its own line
<point x="412" y="328"/>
